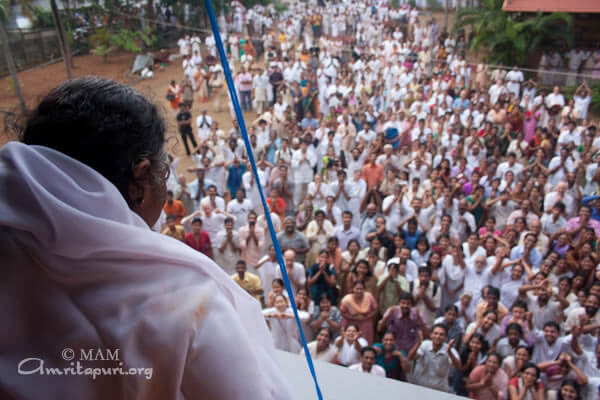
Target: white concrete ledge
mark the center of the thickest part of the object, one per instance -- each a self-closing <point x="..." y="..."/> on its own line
<point x="339" y="383"/>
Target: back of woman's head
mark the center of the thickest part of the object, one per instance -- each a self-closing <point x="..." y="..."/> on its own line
<point x="101" y="123"/>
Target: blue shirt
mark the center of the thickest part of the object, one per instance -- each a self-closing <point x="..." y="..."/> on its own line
<point x="462" y="104"/>
<point x="234" y="179"/>
<point x="411" y="240"/>
<point x="535" y="256"/>
<point x="586" y="202"/>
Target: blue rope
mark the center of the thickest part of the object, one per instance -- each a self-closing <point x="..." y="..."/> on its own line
<point x="242" y="125"/>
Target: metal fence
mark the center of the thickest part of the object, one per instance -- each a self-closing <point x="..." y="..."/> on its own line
<point x="31" y="48"/>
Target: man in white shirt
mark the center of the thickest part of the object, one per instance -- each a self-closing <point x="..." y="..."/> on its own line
<point x="496" y="90"/>
<point x="560" y="166"/>
<point x="464" y="221"/>
<point x="510" y="165"/>
<point x="477" y="276"/>
<point x="501" y="208"/>
<point x="569" y="135"/>
<point x="554" y="102"/>
<point x="548" y="344"/>
<point x="367" y="363"/>
<point x="294" y="270"/>
<point x="554" y="220"/>
<point x="303" y="162"/>
<point x="203" y="123"/>
<point x="213" y="199"/>
<point x="514" y="78"/>
<point x="240" y="207"/>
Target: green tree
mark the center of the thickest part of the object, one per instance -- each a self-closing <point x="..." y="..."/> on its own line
<point x="509" y="38"/>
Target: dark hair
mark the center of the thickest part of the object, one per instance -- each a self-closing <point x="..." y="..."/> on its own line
<point x="279" y="281"/>
<point x="552" y="324"/>
<point x="488" y="312"/>
<point x="523" y="347"/>
<point x="423" y="240"/>
<point x="424" y="270"/>
<point x="528" y="365"/>
<point x="406" y="296"/>
<point x="519" y="303"/>
<point x="327" y="329"/>
<point x="466" y="350"/>
<point x="443" y="326"/>
<point x="197" y="220"/>
<point x="324" y="296"/>
<point x="367" y="348"/>
<point x="390" y="333"/>
<point x="493" y="291"/>
<point x="451" y="307"/>
<point x="106" y="125"/>
<point x="569" y="382"/>
<point x="494" y="354"/>
<point x="515" y="326"/>
<point x="352" y="241"/>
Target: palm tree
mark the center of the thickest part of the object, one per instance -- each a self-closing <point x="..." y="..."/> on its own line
<point x="508" y="39"/>
<point x="10" y="61"/>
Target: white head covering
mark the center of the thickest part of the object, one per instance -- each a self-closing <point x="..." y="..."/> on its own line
<point x="82" y="271"/>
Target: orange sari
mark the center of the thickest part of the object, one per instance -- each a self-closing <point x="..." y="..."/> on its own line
<point x="368" y="304"/>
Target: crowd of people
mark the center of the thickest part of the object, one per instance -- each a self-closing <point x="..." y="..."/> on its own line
<point x="439" y="220"/>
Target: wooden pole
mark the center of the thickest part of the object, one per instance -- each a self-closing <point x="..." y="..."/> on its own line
<point x="65" y="49"/>
<point x="12" y="69"/>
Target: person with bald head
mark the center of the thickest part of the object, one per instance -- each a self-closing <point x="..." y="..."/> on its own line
<point x="560" y="193"/>
<point x="464" y="221"/>
<point x="477" y="276"/>
<point x="295" y="271"/>
<point x="542" y="241"/>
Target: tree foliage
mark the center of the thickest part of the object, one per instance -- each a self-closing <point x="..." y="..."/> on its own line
<point x="104" y="42"/>
<point x="509" y="38"/>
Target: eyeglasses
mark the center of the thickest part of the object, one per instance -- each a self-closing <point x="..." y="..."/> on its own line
<point x="163" y="167"/>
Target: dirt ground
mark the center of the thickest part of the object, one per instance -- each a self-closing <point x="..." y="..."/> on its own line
<point x="35" y="83"/>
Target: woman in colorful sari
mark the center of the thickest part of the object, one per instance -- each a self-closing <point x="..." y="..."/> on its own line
<point x="359" y="308"/>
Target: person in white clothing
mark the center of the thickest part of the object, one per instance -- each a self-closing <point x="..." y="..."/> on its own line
<point x="303" y="162"/>
<point x="203" y="124"/>
<point x="349" y="345"/>
<point x="322" y="349"/>
<point x="283" y="325"/>
<point x="367" y="363"/>
<point x="515" y="78"/>
<point x="240" y="207"/>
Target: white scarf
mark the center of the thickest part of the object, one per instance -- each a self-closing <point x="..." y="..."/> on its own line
<point x="80" y="270"/>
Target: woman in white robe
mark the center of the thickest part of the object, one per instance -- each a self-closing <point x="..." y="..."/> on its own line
<point x="283" y="325"/>
<point x="83" y="270"/>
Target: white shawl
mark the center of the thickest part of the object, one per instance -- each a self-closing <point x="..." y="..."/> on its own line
<point x="80" y="270"/>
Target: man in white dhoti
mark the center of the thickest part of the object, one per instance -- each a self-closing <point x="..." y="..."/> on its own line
<point x="515" y="78"/>
<point x="83" y="270"/>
